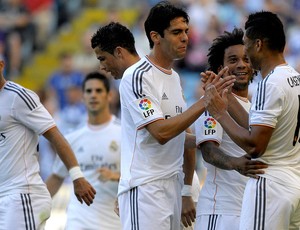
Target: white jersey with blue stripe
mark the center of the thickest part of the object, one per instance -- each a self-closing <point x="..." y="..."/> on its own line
<point x="276" y="104"/>
<point x="22" y="119"/>
<point x="222" y="192"/>
<point x="149" y="93"/>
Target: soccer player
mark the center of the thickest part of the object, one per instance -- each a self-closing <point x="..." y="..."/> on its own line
<point x="123" y="41"/>
<point x="153" y="120"/>
<point x="25" y="202"/>
<point x="220" y="199"/>
<point x="272" y="200"/>
<point x="97" y="148"/>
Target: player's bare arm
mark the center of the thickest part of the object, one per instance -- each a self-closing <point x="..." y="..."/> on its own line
<point x="165" y="130"/>
<point x="253" y="140"/>
<point x="190" y="141"/>
<point x="53" y="183"/>
<point x="244" y="165"/>
<point x="237" y="111"/>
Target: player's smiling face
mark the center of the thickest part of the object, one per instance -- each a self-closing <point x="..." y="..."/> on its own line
<point x="95" y="95"/>
<point x="239" y="65"/>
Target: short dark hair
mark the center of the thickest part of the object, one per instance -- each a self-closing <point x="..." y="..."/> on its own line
<point x="220" y="44"/>
<point x="98" y="76"/>
<point x="108" y="37"/>
<point x="266" y="26"/>
<point x="160" y="17"/>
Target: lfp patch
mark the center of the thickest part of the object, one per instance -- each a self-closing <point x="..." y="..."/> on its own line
<point x="146" y="107"/>
<point x="210" y="123"/>
<point x="145" y="104"/>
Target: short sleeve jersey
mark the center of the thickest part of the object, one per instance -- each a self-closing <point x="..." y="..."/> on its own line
<point x="94" y="147"/>
<point x="222" y="192"/>
<point x="276" y="104"/>
<point x="149" y="93"/>
<point x="22" y="119"/>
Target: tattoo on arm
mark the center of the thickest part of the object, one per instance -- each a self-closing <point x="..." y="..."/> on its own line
<point x="213" y="155"/>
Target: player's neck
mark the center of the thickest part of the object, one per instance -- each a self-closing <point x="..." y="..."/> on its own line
<point x="271" y="63"/>
<point x="241" y="92"/>
<point x="100" y="118"/>
<point x="132" y="59"/>
<point x="160" y="60"/>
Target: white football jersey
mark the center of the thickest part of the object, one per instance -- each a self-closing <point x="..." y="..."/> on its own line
<point x="94" y="147"/>
<point x="149" y="93"/>
<point x="22" y="119"/>
<point x="222" y="192"/>
<point x="276" y="104"/>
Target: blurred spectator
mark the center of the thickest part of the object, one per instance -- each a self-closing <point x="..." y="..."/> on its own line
<point x="19" y="33"/>
<point x="142" y="43"/>
<point x="67" y="10"/>
<point x="253" y="6"/>
<point x="85" y="60"/>
<point x="44" y="18"/>
<point x="204" y="26"/>
<point x="116" y="4"/>
<point x="63" y="79"/>
<point x="73" y="115"/>
<point x="232" y="14"/>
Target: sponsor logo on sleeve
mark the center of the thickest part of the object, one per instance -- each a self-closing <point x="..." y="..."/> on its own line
<point x="210" y="124"/>
<point x="146" y="107"/>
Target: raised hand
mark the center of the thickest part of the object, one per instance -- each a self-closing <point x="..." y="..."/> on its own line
<point x="221" y="81"/>
<point x="215" y="104"/>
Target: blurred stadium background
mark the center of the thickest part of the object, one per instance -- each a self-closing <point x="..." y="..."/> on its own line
<point x="35" y="33"/>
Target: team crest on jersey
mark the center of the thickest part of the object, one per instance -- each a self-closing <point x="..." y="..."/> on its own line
<point x="210" y="124"/>
<point x="146" y="107"/>
<point x="114" y="147"/>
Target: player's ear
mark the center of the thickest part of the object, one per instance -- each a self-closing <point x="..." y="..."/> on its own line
<point x="155" y="37"/>
<point x="118" y="52"/>
<point x="259" y="43"/>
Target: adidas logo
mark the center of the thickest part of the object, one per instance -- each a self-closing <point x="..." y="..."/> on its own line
<point x="165" y="97"/>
